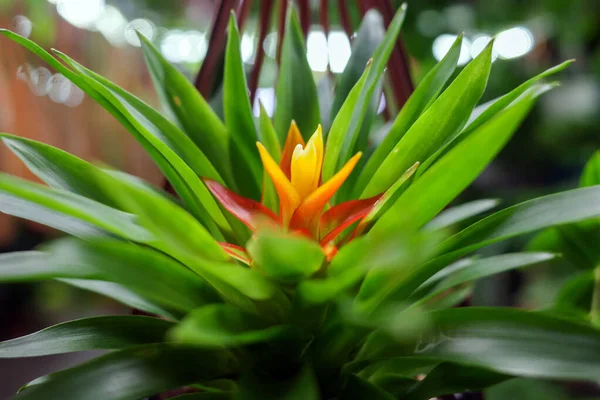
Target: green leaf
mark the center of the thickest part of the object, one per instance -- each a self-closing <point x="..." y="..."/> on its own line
<point x="470" y="270"/>
<point x="172" y="143"/>
<point x="146" y="272"/>
<point x="239" y="120"/>
<point x="296" y="91"/>
<point x="204" y="396"/>
<point x="428" y="195"/>
<point x="418" y="102"/>
<point x="359" y="389"/>
<point x="543" y="212"/>
<point x="591" y="172"/>
<point x="178" y="233"/>
<point x="445" y="116"/>
<point x="503" y="340"/>
<point x="483" y="113"/>
<point x="576" y="295"/>
<point x="461" y="212"/>
<point x="221" y="325"/>
<point x="133" y="374"/>
<point x="108" y="333"/>
<point x="369" y="36"/>
<point x="289" y="258"/>
<point x="190" y="109"/>
<point x="66" y="211"/>
<point x="301" y="386"/>
<point x="25" y="266"/>
<point x="343" y="134"/>
<point x="57" y="168"/>
<point x="448" y="378"/>
<point x="121" y="294"/>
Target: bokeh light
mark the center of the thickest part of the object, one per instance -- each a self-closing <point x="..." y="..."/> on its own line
<point x="443" y="43"/>
<point x="81" y="13"/>
<point x="514" y="42"/>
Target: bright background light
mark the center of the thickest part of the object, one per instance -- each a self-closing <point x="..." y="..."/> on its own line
<point x="443" y="43"/>
<point x="316" y="51"/>
<point x="514" y="42"/>
<point x="81" y="13"/>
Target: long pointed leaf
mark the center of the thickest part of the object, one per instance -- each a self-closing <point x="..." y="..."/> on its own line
<point x="133" y="374"/>
<point x="108" y="333"/>
<point x="341" y="141"/>
<point x="296" y="91"/>
<point x="418" y="102"/>
<point x="445" y="116"/>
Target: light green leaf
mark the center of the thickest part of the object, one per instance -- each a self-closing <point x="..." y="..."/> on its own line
<point x="57" y="168"/>
<point x="177" y="232"/>
<point x="289" y="258"/>
<point x="445" y="116"/>
<point x="591" y="172"/>
<point x="369" y="36"/>
<point x="483" y="113"/>
<point x="173" y="144"/>
<point x="239" y="120"/>
<point x="190" y="109"/>
<point x="428" y="195"/>
<point x="296" y="91"/>
<point x="133" y="374"/>
<point x="221" y="325"/>
<point x="268" y="137"/>
<point x="427" y="91"/>
<point x="461" y="212"/>
<point x="150" y="274"/>
<point x="343" y="134"/>
<point x="66" y="211"/>
<point x="107" y="333"/>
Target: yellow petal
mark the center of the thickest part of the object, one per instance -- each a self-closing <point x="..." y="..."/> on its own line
<point x="306" y="165"/>
<point x="308" y="213"/>
<point x="288" y="197"/>
<point x="294" y="138"/>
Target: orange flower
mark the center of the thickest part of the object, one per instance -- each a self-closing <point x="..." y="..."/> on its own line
<point x="302" y="195"/>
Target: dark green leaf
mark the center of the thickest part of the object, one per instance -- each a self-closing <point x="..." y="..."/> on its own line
<point x="428" y="195"/>
<point x="341" y="141"/>
<point x="445" y="116"/>
<point x="133" y="374"/>
<point x="302" y="386"/>
<point x="543" y="212"/>
<point x="66" y="211"/>
<point x="190" y="109"/>
<point x="470" y="270"/>
<point x="238" y="118"/>
<point x="96" y="333"/>
<point x="369" y="35"/>
<point x="418" y="102"/>
<point x="25" y="266"/>
<point x="461" y="212"/>
<point x="205" y="396"/>
<point x="507" y="341"/>
<point x="360" y="389"/>
<point x="221" y="325"/>
<point x="121" y="294"/>
<point x="447" y="378"/>
<point x="147" y="272"/>
<point x="296" y="91"/>
<point x="576" y="295"/>
<point x="289" y="258"/>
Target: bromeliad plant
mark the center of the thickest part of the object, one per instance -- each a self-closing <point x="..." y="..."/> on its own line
<point x="299" y="271"/>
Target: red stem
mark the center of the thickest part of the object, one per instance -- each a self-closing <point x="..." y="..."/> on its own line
<point x="265" y="21"/>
